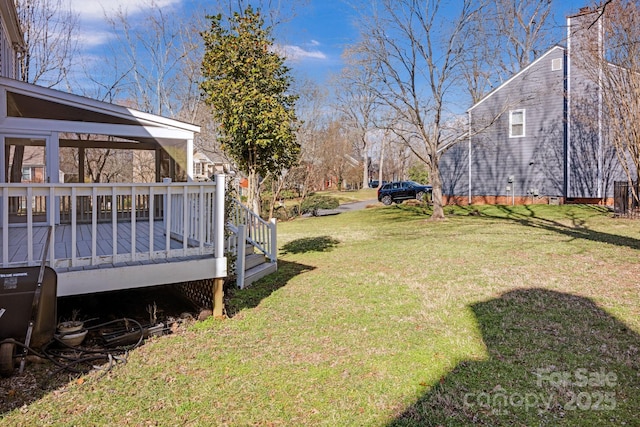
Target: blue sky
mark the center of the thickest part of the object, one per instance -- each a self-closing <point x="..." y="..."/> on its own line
<point x="314" y="38"/>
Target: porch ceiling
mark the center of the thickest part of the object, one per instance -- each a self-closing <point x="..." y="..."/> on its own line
<point x="62" y="119"/>
<point x="21" y="105"/>
<point x="58" y="111"/>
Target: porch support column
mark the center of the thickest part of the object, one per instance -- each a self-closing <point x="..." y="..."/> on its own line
<point x="5" y="160"/>
<point x="53" y="171"/>
<point x="81" y="165"/>
<point x="53" y="158"/>
<point x="218" y="297"/>
<point x="189" y="160"/>
<point x="3" y="179"/>
<point x="158" y="159"/>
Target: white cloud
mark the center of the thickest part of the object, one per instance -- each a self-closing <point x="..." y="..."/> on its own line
<point x="296" y="53"/>
<point x="314" y="43"/>
<point x="89" y="39"/>
<point x="92" y="10"/>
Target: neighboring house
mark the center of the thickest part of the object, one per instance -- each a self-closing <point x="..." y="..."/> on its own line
<point x="539" y="137"/>
<point x="32" y="170"/>
<point x="205" y="166"/>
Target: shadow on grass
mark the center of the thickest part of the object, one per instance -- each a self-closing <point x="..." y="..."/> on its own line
<point x="526" y="215"/>
<point x="553" y="359"/>
<point x="240" y="299"/>
<point x="407" y="211"/>
<point x="310" y="244"/>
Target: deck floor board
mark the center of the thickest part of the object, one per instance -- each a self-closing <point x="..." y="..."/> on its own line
<point x="104" y="243"/>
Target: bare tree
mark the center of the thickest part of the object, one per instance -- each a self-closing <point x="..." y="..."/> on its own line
<point x="416" y="50"/>
<point x="275" y="12"/>
<point x="337" y="154"/>
<point x="311" y="109"/>
<point x="523" y="27"/>
<point x="156" y="68"/>
<point x="357" y="100"/>
<point x="49" y="28"/>
<point x="302" y="176"/>
<point x="508" y="36"/>
<point x="614" y="68"/>
<point x="153" y="48"/>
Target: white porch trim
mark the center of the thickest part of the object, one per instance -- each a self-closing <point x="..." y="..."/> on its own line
<point x="20" y="124"/>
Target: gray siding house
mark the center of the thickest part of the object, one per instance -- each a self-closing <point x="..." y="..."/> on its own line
<point x="538" y="137"/>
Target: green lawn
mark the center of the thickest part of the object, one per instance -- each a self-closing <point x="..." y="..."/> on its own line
<point x="496" y="316"/>
<point x="352" y="196"/>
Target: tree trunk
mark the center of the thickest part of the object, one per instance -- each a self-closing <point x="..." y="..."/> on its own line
<point x="381" y="164"/>
<point x="254" y="192"/>
<point x="16" y="166"/>
<point x="436" y="183"/>
<point x="365" y="171"/>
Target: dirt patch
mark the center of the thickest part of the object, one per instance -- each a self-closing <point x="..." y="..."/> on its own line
<point x="42" y="375"/>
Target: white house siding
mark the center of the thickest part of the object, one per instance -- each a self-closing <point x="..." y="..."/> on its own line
<point x="534" y="161"/>
<point x="6" y="52"/>
<point x="10" y="39"/>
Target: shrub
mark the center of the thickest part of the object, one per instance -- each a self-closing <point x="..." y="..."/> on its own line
<point x="288" y="194"/>
<point x="314" y="203"/>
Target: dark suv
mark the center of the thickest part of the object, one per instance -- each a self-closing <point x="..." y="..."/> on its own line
<point x="396" y="192"/>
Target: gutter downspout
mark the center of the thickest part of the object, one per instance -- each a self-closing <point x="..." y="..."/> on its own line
<point x="600" y="111"/>
<point x="567" y="182"/>
<point x="469" y="156"/>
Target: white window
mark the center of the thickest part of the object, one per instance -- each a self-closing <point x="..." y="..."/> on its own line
<point x="26" y="174"/>
<point x="556" y="64"/>
<point x="516" y="123"/>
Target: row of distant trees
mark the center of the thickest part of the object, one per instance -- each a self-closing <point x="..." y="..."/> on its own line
<point x="414" y="68"/>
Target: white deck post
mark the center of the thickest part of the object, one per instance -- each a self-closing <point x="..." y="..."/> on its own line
<point x="3" y="180"/>
<point x="241" y="246"/>
<point x="273" y="256"/>
<point x="220" y="259"/>
<point x="52" y="165"/>
<point x="218" y="228"/>
<point x="189" y="168"/>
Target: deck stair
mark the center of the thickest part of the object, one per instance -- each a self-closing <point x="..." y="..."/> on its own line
<point x="256" y="266"/>
<point x="254" y="241"/>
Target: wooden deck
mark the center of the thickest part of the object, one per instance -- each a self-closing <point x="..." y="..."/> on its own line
<point x="120" y="236"/>
<point x="80" y="274"/>
<point x="105" y="237"/>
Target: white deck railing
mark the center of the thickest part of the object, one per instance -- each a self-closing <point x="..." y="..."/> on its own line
<point x="248" y="228"/>
<point x="259" y="233"/>
<point x="98" y="224"/>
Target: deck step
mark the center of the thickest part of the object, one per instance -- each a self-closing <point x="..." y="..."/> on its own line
<point x="253" y="260"/>
<point x="258" y="272"/>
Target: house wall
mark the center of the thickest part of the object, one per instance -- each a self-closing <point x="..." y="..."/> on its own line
<point x="10" y="38"/>
<point x="592" y="161"/>
<point x="485" y="165"/>
<point x="565" y="155"/>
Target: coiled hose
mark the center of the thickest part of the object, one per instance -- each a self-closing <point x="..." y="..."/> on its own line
<point x="84" y="359"/>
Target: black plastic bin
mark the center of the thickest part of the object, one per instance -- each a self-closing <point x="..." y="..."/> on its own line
<point x="19" y="305"/>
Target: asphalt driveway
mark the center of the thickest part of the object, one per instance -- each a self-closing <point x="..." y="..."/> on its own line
<point x="347" y="207"/>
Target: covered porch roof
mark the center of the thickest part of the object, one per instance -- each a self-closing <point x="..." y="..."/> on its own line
<point x="61" y="119"/>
